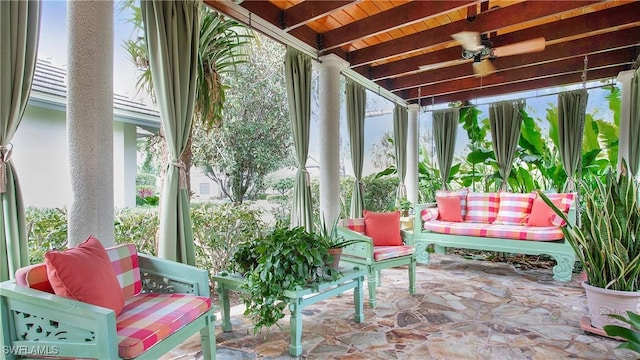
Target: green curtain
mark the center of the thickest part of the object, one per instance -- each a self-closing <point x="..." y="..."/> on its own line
<point x="571" y="112"/>
<point x="356" y="103"/>
<point x="505" y="120"/>
<point x="172" y="30"/>
<point x="445" y="131"/>
<point x="634" y="125"/>
<point x="19" y="31"/>
<point x="400" y="124"/>
<point x="298" y="75"/>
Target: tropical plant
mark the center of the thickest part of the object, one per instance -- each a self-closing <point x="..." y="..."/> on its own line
<point x="285" y="259"/>
<point x="631" y="333"/>
<point x="606" y="241"/>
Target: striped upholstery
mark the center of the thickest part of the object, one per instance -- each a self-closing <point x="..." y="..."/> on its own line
<point x="566" y="200"/>
<point x="149" y="318"/>
<point x="462" y="194"/>
<point x="482" y="207"/>
<point x="514" y="208"/>
<point x="356" y="224"/>
<point x="516" y="232"/>
<point x="430" y="214"/>
<point x="124" y="260"/>
<point x="34" y="277"/>
<point x="389" y="252"/>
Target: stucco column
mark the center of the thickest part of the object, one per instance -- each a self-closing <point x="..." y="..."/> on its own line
<point x="624" y="77"/>
<point x="90" y="120"/>
<point x="411" y="180"/>
<point x="329" y="136"/>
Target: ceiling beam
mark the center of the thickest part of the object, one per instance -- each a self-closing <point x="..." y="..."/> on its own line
<point x="394" y="18"/>
<point x="578" y="48"/>
<point x="605" y="19"/>
<point x="500" y="78"/>
<point x="311" y="10"/>
<point x="484" y="22"/>
<point x="562" y="80"/>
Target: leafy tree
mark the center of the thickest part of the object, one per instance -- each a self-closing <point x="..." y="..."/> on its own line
<point x="255" y="137"/>
<point x="283" y="186"/>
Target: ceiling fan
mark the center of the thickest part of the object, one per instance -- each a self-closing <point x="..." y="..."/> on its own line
<point x="481" y="50"/>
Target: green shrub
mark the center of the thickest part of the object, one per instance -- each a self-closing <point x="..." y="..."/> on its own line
<point x="138" y="226"/>
<point x="46" y="230"/>
<point x="219" y="228"/>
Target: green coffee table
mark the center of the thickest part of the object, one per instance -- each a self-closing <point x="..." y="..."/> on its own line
<point x="352" y="278"/>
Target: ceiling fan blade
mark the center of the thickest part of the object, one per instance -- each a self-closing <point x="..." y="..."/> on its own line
<point x="483" y="68"/>
<point x="469" y="40"/>
<point x="523" y="47"/>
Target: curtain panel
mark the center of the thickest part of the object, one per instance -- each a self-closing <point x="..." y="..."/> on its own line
<point x="445" y="132"/>
<point x="634" y="125"/>
<point x="400" y="125"/>
<point x="571" y="112"/>
<point x="505" y="120"/>
<point x="298" y="77"/>
<point x="19" y="31"/>
<point x="356" y="103"/>
<point x="172" y="32"/>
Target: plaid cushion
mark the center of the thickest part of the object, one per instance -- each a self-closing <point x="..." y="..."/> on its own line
<point x="462" y="194"/>
<point x="149" y="318"/>
<point x="482" y="207"/>
<point x="390" y="252"/>
<point x="34" y="277"/>
<point x="514" y="208"/>
<point x="356" y="225"/>
<point x="566" y="200"/>
<point x="429" y="214"/>
<point x="124" y="260"/>
<point x="515" y="232"/>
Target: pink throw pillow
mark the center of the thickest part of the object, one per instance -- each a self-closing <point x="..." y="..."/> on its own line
<point x="541" y="213"/>
<point x="383" y="227"/>
<point x="449" y="208"/>
<point x="84" y="273"/>
<point x="461" y="194"/>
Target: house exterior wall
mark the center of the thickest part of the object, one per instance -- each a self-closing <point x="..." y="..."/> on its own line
<point x="40" y="157"/>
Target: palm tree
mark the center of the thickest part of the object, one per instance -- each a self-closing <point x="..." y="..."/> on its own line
<point x="222" y="46"/>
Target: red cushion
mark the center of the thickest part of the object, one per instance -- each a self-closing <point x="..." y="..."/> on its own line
<point x="541" y="213"/>
<point x="449" y="208"/>
<point x="84" y="273"/>
<point x="383" y="228"/>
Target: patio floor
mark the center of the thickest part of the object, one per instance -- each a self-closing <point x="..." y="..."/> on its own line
<point x="463" y="309"/>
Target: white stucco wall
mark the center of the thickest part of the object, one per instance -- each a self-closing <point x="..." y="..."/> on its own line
<point x="41" y="158"/>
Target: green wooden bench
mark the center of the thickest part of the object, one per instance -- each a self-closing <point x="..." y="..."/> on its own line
<point x="560" y="250"/>
<point x="37" y="323"/>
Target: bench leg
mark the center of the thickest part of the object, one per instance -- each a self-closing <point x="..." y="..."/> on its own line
<point x="412" y="276"/>
<point x="564" y="267"/>
<point x="372" y="283"/>
<point x="295" y="322"/>
<point x="422" y="255"/>
<point x="208" y="339"/>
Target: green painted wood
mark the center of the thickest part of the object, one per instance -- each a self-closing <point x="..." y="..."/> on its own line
<point x="560" y="250"/>
<point x="79" y="319"/>
<point x="351" y="278"/>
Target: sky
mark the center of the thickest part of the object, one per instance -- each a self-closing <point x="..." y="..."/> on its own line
<point x="53" y="46"/>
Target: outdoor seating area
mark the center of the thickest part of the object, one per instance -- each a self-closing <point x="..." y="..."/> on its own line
<point x="468" y="309"/>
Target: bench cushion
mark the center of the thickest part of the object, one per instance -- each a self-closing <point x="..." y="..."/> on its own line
<point x="390" y="252"/>
<point x="515" y="232"/>
<point x="149" y="318"/>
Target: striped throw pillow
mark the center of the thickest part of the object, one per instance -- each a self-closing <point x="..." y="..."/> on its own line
<point x="514" y="208"/>
<point x="566" y="200"/>
<point x="482" y="207"/>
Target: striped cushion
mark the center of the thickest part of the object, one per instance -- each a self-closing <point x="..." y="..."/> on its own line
<point x="566" y="200"/>
<point x="34" y="277"/>
<point x="149" y="318"/>
<point x="514" y="208"/>
<point x="356" y="225"/>
<point x="482" y="207"/>
<point x="515" y="232"/>
<point x="390" y="252"/>
<point x="124" y="261"/>
<point x="462" y="194"/>
<point x="429" y="214"/>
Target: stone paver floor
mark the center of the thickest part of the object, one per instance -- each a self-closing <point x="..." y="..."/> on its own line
<point x="462" y="309"/>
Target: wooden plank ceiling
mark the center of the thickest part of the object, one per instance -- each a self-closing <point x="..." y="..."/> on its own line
<point x="406" y="46"/>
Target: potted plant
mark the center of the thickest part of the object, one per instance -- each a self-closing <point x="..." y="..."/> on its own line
<point x="404" y="206"/>
<point x="607" y="245"/>
<point x="285" y="259"/>
<point x="334" y="242"/>
<point x="630" y="333"/>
